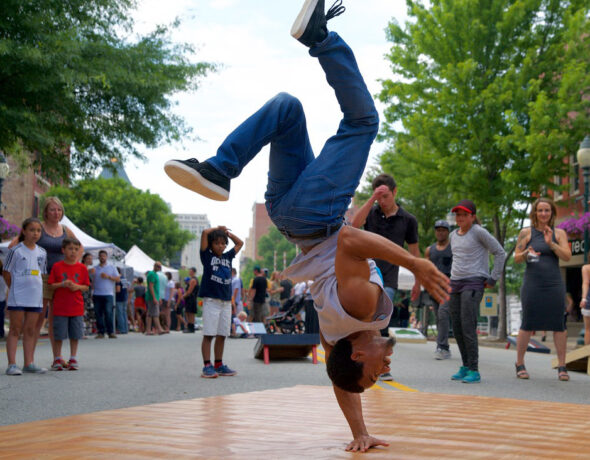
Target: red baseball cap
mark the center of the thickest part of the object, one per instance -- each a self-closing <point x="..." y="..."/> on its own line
<point x="465" y="205"/>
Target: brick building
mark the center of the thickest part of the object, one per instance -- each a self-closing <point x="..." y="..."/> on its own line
<point x="21" y="194"/>
<point x="260" y="224"/>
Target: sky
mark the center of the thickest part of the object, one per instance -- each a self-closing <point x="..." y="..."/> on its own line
<point x="250" y="41"/>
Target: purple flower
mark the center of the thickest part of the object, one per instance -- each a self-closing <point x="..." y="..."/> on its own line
<point x="576" y="225"/>
<point x="8" y="230"/>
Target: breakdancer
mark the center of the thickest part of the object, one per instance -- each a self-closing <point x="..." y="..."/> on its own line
<point x="306" y="199"/>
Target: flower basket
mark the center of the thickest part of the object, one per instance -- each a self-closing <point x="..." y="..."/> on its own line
<point x="8" y="230"/>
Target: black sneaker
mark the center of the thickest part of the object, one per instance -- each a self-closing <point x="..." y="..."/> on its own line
<point x="310" y="27"/>
<point x="199" y="177"/>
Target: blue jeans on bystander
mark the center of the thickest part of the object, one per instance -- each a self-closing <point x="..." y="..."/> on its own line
<point x="103" y="309"/>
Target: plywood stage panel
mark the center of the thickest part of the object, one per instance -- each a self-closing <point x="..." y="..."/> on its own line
<point x="305" y="421"/>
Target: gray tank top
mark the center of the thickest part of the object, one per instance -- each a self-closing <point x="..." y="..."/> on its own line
<point x="442" y="260"/>
<point x="52" y="246"/>
<point x="335" y="322"/>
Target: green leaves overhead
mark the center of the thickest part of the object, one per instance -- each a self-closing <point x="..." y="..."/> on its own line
<point x="494" y="90"/>
<point x="77" y="88"/>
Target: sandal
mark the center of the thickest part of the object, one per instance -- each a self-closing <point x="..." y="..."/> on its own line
<point x="521" y="372"/>
<point x="562" y="374"/>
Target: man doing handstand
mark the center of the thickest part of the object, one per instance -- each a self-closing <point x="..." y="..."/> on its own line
<point x="306" y="199"/>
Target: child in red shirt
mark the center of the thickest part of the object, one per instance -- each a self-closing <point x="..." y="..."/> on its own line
<point x="70" y="279"/>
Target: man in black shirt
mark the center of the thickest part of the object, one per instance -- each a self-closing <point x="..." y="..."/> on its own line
<point x="390" y="220"/>
<point x="257" y="295"/>
<point x="441" y="256"/>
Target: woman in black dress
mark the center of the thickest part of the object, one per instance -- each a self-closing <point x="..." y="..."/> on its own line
<point x="543" y="290"/>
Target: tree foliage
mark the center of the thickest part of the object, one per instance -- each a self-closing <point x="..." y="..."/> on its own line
<point x="77" y="89"/>
<point x="490" y="97"/>
<point x="267" y="245"/>
<point x="112" y="210"/>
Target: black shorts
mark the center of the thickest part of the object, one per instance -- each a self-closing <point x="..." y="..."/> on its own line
<point x="190" y="306"/>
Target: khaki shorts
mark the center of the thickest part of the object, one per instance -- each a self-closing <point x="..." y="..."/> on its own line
<point x="47" y="289"/>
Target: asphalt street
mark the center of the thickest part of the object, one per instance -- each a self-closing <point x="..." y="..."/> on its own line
<point x="135" y="370"/>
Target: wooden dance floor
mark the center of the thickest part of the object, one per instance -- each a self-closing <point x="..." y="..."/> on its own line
<point x="305" y="421"/>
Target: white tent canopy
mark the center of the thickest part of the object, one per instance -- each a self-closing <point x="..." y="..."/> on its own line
<point x="90" y="244"/>
<point x="142" y="263"/>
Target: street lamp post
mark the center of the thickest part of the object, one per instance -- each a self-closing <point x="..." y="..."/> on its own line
<point x="4" y="170"/>
<point x="584" y="162"/>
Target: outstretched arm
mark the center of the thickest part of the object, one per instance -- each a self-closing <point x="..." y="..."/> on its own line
<point x="352" y="270"/>
<point x="352" y="409"/>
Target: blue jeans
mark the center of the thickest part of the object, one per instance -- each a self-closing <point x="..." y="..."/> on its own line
<point x="103" y="309"/>
<point x="304" y="194"/>
<point x="121" y="318"/>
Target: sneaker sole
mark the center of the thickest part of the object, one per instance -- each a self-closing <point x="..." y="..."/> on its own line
<point x="188" y="178"/>
<point x="209" y="376"/>
<point x="228" y="375"/>
<point x="303" y="18"/>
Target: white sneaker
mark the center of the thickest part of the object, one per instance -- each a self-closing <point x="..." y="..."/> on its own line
<point x="13" y="369"/>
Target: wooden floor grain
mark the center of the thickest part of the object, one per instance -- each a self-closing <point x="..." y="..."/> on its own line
<point x="305" y="421"/>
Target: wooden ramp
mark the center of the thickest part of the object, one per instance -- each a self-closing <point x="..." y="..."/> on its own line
<point x="576" y="360"/>
<point x="305" y="422"/>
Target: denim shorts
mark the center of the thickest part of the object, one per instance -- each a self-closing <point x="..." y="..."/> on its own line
<point x="68" y="327"/>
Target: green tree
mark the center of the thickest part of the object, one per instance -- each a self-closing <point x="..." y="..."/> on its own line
<point x="273" y="249"/>
<point x="495" y="89"/>
<point x="77" y="89"/>
<point x="267" y="245"/>
<point x="112" y="210"/>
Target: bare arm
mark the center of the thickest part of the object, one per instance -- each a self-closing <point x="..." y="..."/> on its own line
<point x="191" y="287"/>
<point x="561" y="248"/>
<point x="204" y="242"/>
<point x="238" y="243"/>
<point x="151" y="289"/>
<point x="13" y="242"/>
<point x="352" y="409"/>
<point x="521" y="251"/>
<point x="352" y="270"/>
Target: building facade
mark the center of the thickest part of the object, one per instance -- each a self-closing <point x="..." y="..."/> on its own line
<point x="194" y="223"/>
<point x="260" y="225"/>
<point x="21" y="194"/>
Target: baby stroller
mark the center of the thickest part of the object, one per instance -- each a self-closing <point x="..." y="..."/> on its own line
<point x="286" y="321"/>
